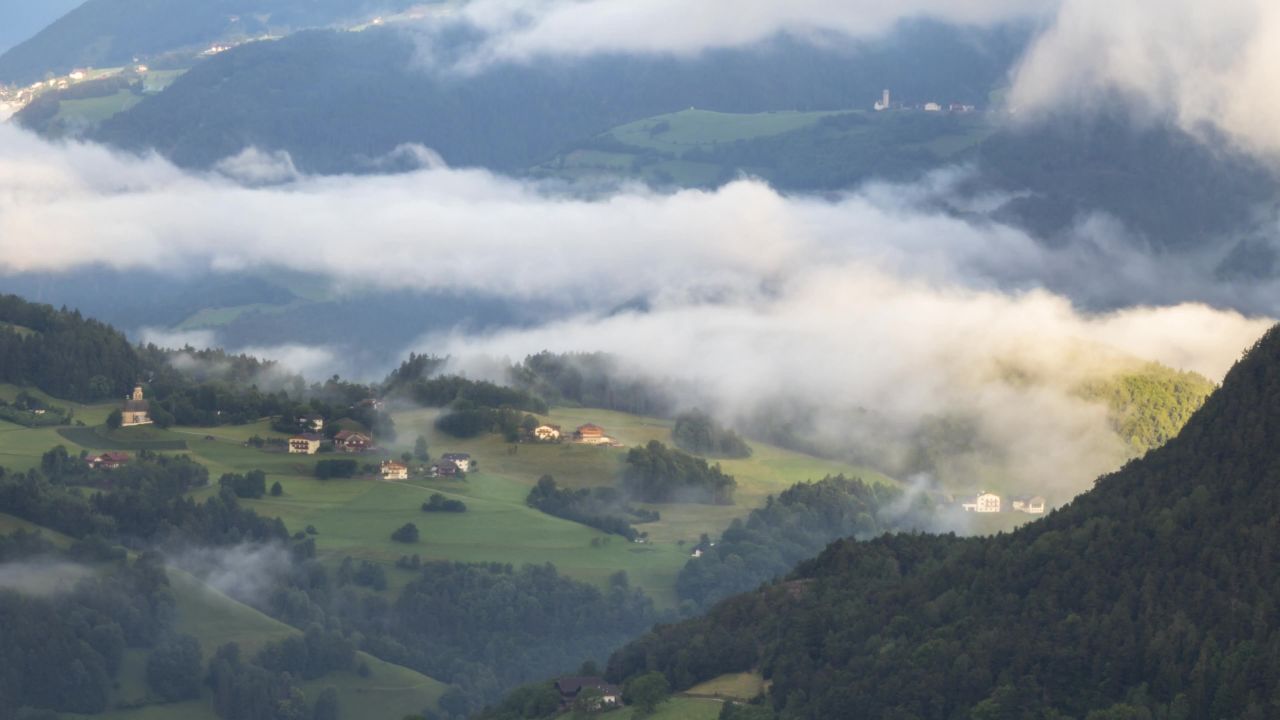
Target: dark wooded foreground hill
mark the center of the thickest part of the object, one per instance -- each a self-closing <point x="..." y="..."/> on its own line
<point x="1154" y="595"/>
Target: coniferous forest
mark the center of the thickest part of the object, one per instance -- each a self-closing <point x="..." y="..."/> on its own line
<point x="1150" y="596"/>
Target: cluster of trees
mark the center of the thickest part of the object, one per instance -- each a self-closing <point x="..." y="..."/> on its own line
<point x="406" y="533"/>
<point x="603" y="508"/>
<point x="69" y="356"/>
<point x="1148" y="406"/>
<point x="699" y="433"/>
<point x="252" y="484"/>
<point x="173" y="668"/>
<point x="445" y="390"/>
<point x="658" y="474"/>
<point x="30" y="411"/>
<point x="466" y="419"/>
<point x="475" y="406"/>
<point x="440" y="503"/>
<point x="266" y="686"/>
<point x="490" y="627"/>
<point x="64" y="354"/>
<point x="366" y="573"/>
<point x="336" y="468"/>
<point x="147" y="504"/>
<point x="1152" y="595"/>
<point x="63" y="651"/>
<point x="791" y="527"/>
<point x="593" y="380"/>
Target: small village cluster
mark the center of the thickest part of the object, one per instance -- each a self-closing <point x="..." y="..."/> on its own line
<point x="886" y="103"/>
<point x="450" y="465"/>
<point x="588" y="434"/>
<point x="989" y="502"/>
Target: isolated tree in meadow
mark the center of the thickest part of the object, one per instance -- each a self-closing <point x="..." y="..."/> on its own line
<point x="407" y="533"/>
<point x="276" y="489"/>
<point x="115" y="419"/>
<point x="647" y="691"/>
<point x="420" y="449"/>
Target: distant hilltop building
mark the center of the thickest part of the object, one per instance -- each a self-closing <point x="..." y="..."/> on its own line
<point x="883" y="103"/>
<point x="985" y="503"/>
<point x="137" y="411"/>
<point x="1030" y="505"/>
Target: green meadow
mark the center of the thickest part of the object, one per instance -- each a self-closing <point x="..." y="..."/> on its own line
<point x="738" y="686"/>
<point x="692" y="128"/>
<point x="676" y="708"/>
<point x="355" y="517"/>
<point x="89" y="111"/>
<point x="658" y="149"/>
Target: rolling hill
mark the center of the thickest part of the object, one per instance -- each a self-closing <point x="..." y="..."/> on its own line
<point x="509" y="117"/>
<point x="1151" y="595"/>
<point x="777" y="519"/>
<point x="107" y="33"/>
<point x="806" y="151"/>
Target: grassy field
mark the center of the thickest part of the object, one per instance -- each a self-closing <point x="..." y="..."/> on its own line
<point x="145" y="437"/>
<point x="677" y="708"/>
<point x="654" y="149"/>
<point x="89" y="111"/>
<point x="356" y="517"/>
<point x="390" y="691"/>
<point x="680" y="131"/>
<point x="768" y="471"/>
<point x="738" y="686"/>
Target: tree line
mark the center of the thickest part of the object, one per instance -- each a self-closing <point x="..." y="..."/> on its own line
<point x="603" y="508"/>
<point x="1150" y="596"/>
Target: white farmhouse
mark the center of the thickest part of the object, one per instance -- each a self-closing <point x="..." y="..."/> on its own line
<point x="1029" y="505"/>
<point x="985" y="503"/>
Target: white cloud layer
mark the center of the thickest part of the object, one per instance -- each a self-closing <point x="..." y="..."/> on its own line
<point x="523" y="30"/>
<point x="872" y="301"/>
<point x="1203" y="65"/>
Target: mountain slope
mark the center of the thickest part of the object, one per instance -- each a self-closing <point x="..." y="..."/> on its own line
<point x="1153" y="595"/>
<point x="114" y="32"/>
<point x="336" y="101"/>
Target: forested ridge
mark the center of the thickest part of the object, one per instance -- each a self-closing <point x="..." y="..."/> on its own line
<point x="63" y="353"/>
<point x="510" y="116"/>
<point x="484" y="628"/>
<point x="1150" y="596"/>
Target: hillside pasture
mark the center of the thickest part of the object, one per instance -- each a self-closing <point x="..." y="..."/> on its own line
<point x="737" y="686"/>
<point x="792" y="150"/>
<point x="679" y="131"/>
<point x="90" y="111"/>
<point x="356" y="518"/>
<point x="132" y="438"/>
<point x="676" y="708"/>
